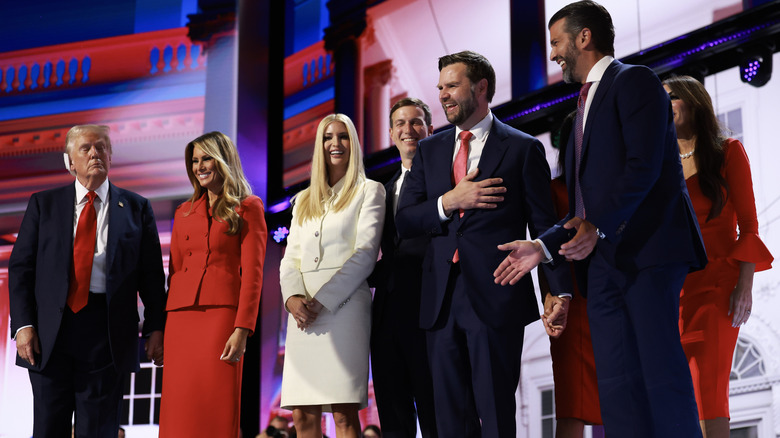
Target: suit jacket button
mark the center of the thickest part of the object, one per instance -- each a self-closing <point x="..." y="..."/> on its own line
<point x="186" y="237"/>
<point x="316" y="234"/>
<point x="316" y="259"/>
<point x="459" y="234"/>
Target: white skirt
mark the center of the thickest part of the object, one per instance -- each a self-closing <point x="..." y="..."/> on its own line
<point x="328" y="362"/>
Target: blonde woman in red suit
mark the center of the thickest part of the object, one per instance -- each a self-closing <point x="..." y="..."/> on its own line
<point x="216" y="274"/>
<point x="716" y="301"/>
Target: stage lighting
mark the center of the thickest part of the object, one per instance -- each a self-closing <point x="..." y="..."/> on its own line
<point x="280" y="234"/>
<point x="756" y="66"/>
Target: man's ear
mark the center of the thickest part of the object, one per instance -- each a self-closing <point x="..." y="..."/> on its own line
<point x="482" y="86"/>
<point x="68" y="164"/>
<point x="584" y="38"/>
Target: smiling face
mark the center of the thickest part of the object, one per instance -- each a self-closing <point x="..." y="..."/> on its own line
<point x="683" y="117"/>
<point x="204" y="167"/>
<point x="408" y="128"/>
<point x="90" y="159"/>
<point x="564" y="51"/>
<point x="457" y="96"/>
<point x="337" y="148"/>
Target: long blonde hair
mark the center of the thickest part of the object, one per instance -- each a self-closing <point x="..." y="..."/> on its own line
<point x="311" y="200"/>
<point x="235" y="187"/>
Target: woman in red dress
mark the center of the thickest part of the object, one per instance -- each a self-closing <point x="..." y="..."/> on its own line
<point x="574" y="368"/>
<point x="216" y="274"/>
<point x="716" y="301"/>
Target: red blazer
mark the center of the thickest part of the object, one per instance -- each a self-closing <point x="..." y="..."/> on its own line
<point x="210" y="268"/>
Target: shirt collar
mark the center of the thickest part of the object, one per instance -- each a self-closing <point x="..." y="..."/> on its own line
<point x="481" y="129"/>
<point x="598" y="69"/>
<point x="81" y="191"/>
<point x="337" y="187"/>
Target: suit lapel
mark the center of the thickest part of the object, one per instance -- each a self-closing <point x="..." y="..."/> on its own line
<point x="442" y="164"/>
<point x="604" y="85"/>
<point x="65" y="230"/>
<point x="116" y="223"/>
<point x="389" y="214"/>
<point x="494" y="150"/>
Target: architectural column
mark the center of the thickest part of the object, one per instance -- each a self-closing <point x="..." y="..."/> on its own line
<point x="348" y="21"/>
<point x="260" y="126"/>
<point x="377" y="106"/>
<point x="215" y="29"/>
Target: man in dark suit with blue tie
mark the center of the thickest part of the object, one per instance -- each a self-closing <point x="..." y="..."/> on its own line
<point x="83" y="254"/>
<point x="399" y="362"/>
<point x="471" y="187"/>
<point x="628" y="199"/>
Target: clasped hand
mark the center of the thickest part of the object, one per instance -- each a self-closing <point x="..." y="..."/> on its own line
<point x="304" y="311"/>
<point x="556" y="311"/>
<point x="469" y="194"/>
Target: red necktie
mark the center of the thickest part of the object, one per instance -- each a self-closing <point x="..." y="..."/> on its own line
<point x="83" y="252"/>
<point x="459" y="170"/>
<point x="579" y="121"/>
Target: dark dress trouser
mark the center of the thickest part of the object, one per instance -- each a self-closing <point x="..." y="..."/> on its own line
<point x="645" y="385"/>
<point x="80" y="376"/>
<point x="402" y="382"/>
<point x="475" y="369"/>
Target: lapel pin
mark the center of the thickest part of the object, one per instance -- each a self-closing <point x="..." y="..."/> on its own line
<point x="121" y="204"/>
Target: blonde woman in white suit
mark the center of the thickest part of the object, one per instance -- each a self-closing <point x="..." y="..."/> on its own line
<point x="332" y="247"/>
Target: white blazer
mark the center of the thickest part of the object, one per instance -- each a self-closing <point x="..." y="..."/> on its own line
<point x="331" y="256"/>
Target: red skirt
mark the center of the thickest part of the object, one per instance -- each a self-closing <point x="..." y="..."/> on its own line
<point x="201" y="394"/>
<point x="708" y="340"/>
<point x="574" y="369"/>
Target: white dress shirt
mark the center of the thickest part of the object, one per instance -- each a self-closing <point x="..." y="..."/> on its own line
<point x="595" y="75"/>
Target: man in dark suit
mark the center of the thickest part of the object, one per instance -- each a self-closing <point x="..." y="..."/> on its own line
<point x="634" y="208"/>
<point x="83" y="253"/>
<point x="474" y="326"/>
<point x="399" y="362"/>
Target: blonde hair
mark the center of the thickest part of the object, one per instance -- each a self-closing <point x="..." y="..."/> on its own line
<point x="235" y="187"/>
<point x="311" y="200"/>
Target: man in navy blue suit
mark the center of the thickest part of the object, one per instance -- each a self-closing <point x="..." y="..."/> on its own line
<point x="74" y="314"/>
<point x="399" y="362"/>
<point x="637" y="234"/>
<point x="470" y="188"/>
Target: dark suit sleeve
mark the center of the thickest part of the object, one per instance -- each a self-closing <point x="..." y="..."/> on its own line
<point x="21" y="269"/>
<point x="151" y="279"/>
<point x="537" y="198"/>
<point x="538" y="206"/>
<point x="556" y="236"/>
<point x="643" y="110"/>
<point x="417" y="213"/>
